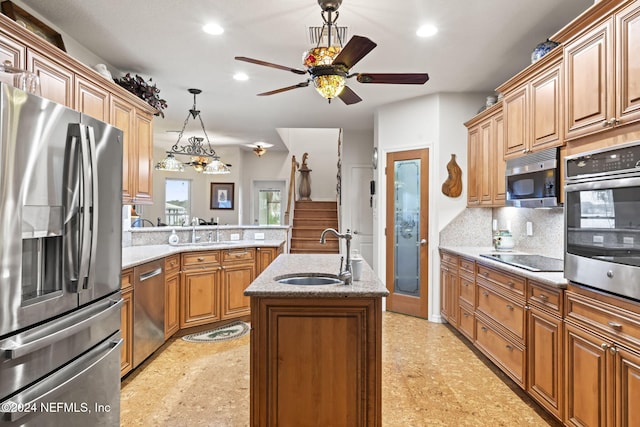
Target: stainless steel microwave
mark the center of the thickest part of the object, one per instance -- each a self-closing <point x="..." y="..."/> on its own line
<point x="533" y="181"/>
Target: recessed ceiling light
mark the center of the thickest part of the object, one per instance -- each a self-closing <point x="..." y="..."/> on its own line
<point x="240" y="76"/>
<point x="427" y="30"/>
<point x="214" y="29"/>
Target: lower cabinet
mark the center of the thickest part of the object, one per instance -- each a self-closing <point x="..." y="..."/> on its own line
<point x="238" y="271"/>
<point x="265" y="256"/>
<point x="200" y="288"/>
<point x="126" y="322"/>
<point x="602" y="344"/>
<point x="449" y="290"/>
<point x="171" y="295"/>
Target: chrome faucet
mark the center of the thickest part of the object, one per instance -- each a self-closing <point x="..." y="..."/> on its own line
<point x="194" y="222"/>
<point x="345" y="274"/>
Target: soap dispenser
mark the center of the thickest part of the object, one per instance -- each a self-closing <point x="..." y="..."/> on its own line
<point x="173" y="238"/>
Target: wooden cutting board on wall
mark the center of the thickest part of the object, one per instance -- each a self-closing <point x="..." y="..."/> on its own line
<point x="452" y="186"/>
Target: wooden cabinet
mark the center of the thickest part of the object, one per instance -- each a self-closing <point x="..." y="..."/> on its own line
<point x="448" y="288"/>
<point x="141" y="179"/>
<point x="486" y="167"/>
<point x="466" y="297"/>
<point x="56" y="80"/>
<point x="200" y="288"/>
<point x="238" y="271"/>
<point x="92" y="99"/>
<point x="545" y="347"/>
<point x="316" y="359"/>
<point x="171" y="295"/>
<point x="603" y="76"/>
<point x="14" y="52"/>
<point x="532" y="107"/>
<point x="126" y="323"/>
<point x="500" y="320"/>
<point x="264" y="257"/>
<point x="602" y="362"/>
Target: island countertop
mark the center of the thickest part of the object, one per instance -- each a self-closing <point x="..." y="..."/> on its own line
<point x="265" y="285"/>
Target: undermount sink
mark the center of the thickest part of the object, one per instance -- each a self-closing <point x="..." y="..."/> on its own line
<point x="309" y="279"/>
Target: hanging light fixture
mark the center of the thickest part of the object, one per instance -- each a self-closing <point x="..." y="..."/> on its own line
<point x="259" y="148"/>
<point x="203" y="157"/>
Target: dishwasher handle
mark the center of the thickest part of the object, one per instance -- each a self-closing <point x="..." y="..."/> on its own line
<point x="150" y="274"/>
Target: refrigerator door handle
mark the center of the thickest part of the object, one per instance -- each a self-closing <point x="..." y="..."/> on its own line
<point x="59" y="382"/>
<point x="85" y="209"/>
<point x="91" y="203"/>
<point x="52" y="333"/>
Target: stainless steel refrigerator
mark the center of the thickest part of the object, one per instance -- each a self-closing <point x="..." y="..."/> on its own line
<point x="60" y="262"/>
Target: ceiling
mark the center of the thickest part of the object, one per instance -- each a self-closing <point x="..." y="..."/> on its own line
<point x="480" y="44"/>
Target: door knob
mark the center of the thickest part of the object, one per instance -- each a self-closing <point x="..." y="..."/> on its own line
<point x="423" y="242"/>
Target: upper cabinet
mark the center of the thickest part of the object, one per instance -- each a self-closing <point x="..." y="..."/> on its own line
<point x="533" y="107"/>
<point x="70" y="83"/>
<point x="603" y="75"/>
<point x="486" y="168"/>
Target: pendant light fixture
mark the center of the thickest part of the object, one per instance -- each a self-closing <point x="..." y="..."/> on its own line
<point x="203" y="157"/>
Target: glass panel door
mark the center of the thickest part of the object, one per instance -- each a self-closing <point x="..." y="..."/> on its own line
<point x="407" y="229"/>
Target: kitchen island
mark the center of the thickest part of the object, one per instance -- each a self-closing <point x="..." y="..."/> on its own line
<point x="315" y="349"/>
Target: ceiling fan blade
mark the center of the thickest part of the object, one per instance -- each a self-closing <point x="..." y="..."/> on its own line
<point x="348" y="96"/>
<point x="284" y="89"/>
<point x="269" y="64"/>
<point x="357" y="48"/>
<point x="391" y="78"/>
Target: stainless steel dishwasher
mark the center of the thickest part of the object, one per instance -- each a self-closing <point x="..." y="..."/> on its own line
<point x="148" y="309"/>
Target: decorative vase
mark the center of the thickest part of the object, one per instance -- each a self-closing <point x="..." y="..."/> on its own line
<point x="542" y="49"/>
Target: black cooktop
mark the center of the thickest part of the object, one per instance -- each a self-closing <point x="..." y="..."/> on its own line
<point x="529" y="262"/>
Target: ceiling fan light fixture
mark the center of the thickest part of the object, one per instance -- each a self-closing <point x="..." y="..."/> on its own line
<point x="329" y="85"/>
<point x="259" y="150"/>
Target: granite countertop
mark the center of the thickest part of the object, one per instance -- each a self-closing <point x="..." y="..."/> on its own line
<point x="136" y="255"/>
<point x="265" y="284"/>
<point x="550" y="278"/>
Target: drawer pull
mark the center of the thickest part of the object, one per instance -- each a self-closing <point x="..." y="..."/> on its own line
<point x="200" y="259"/>
<point x="615" y="325"/>
<point x="543" y="297"/>
<point x="485" y="273"/>
<point x="237" y="253"/>
<point x="484" y="328"/>
<point x="511" y="284"/>
<point x="465" y="314"/>
<point x="509" y="347"/>
<point x="509" y="306"/>
<point x="485" y="293"/>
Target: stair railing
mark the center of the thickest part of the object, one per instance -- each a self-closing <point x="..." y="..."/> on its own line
<point x="292" y="185"/>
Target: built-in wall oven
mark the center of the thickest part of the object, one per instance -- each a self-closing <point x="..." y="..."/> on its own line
<point x="602" y="219"/>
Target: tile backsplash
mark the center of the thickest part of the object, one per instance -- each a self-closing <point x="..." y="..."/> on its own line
<point x="473" y="227"/>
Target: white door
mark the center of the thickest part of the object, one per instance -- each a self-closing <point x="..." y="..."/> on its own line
<point x="359" y="200"/>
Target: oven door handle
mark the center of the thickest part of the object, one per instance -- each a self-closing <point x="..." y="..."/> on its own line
<point x="604" y="184"/>
<point x="49" y="335"/>
<point x="58" y="383"/>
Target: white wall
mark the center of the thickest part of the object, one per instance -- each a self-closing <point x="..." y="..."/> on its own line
<point x="434" y="122"/>
<point x="200" y="188"/>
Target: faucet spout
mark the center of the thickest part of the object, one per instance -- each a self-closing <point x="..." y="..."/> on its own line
<point x="345" y="272"/>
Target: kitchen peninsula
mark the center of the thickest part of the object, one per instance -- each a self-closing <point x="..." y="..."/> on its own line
<point x="315" y="349"/>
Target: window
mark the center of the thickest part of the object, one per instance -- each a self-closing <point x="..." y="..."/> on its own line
<point x="269" y="207"/>
<point x="177" y="205"/>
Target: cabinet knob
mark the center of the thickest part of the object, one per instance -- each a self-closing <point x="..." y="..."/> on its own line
<point x="509" y="347"/>
<point x="485" y="273"/>
<point x="604" y="346"/>
<point x="613" y="350"/>
<point x="485" y="293"/>
<point x="484" y="328"/>
<point x="511" y="284"/>
<point x="200" y="259"/>
<point x="606" y="124"/>
<point x="543" y="297"/>
<point x="509" y="306"/>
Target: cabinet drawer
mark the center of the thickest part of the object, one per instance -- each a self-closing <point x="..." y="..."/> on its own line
<point x="200" y="259"/>
<point x="467" y="267"/>
<point x="465" y="322"/>
<point x="467" y="290"/>
<point x="506" y="281"/>
<point x="615" y="321"/>
<point x="171" y="264"/>
<point x="544" y="296"/>
<point x="240" y="254"/>
<point x="504" y="352"/>
<point x="126" y="279"/>
<point x="447" y="258"/>
<point x="503" y="311"/>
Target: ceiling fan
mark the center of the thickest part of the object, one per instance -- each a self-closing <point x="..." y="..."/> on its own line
<point x="329" y="66"/>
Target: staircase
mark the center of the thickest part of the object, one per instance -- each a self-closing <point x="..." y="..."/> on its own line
<point x="310" y="218"/>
